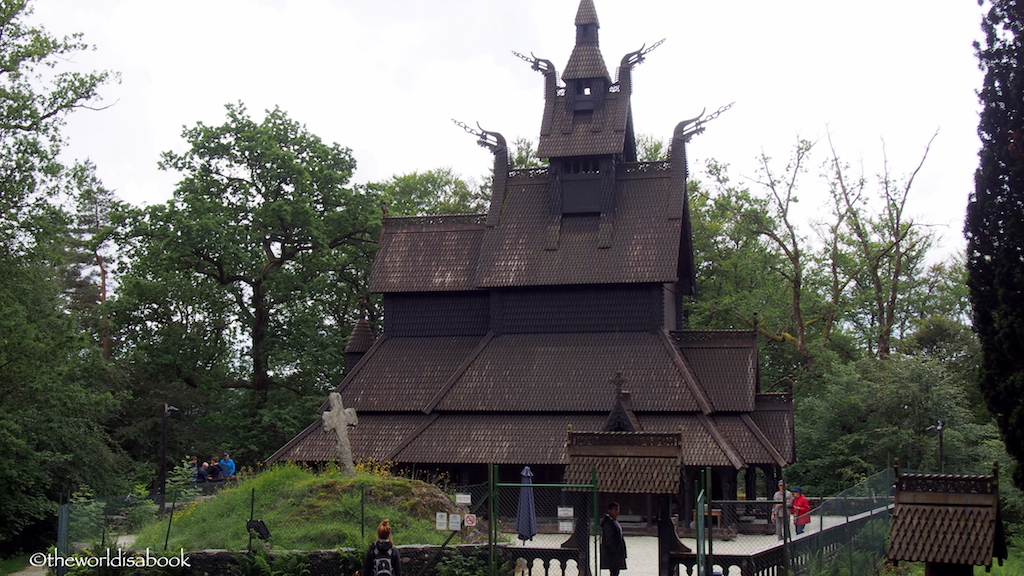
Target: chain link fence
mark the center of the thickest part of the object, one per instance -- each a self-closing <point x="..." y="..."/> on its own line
<point x="846" y="533"/>
<point x="544" y="529"/>
<point x="842" y="535"/>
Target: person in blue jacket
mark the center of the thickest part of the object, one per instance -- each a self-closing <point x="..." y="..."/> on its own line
<point x="227" y="466"/>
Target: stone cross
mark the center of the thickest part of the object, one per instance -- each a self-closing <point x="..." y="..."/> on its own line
<point x="338" y="419"/>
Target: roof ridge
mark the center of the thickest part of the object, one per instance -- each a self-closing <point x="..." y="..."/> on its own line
<point x="355" y="369"/>
<point x="412" y="436"/>
<point x="458" y="372"/>
<point x="763" y="439"/>
<point x="696" y="389"/>
<point x="723" y="441"/>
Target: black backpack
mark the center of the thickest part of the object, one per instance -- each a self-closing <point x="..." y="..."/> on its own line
<point x="382" y="562"/>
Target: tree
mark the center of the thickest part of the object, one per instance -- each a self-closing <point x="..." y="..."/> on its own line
<point x="55" y="389"/>
<point x="770" y="219"/>
<point x="881" y="254"/>
<point x="248" y="280"/>
<point x="433" y="192"/>
<point x="35" y="98"/>
<point x="995" y="223"/>
<point x="866" y="413"/>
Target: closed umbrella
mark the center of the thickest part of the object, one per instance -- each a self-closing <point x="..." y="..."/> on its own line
<point x="526" y="519"/>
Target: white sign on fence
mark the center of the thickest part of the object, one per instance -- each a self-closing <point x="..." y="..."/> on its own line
<point x="441" y="520"/>
<point x="454" y="522"/>
<point x="565" y="526"/>
<point x="470" y="520"/>
<point x="566" y="512"/>
<point x="466" y="499"/>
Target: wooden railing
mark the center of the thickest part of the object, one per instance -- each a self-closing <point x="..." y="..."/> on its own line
<point x="553" y="561"/>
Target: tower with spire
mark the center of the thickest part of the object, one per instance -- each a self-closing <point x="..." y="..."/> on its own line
<point x="503" y="330"/>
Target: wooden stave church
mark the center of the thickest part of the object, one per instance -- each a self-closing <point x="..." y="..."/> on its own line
<point x="559" y="309"/>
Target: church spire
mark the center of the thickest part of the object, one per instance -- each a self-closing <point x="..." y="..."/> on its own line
<point x="586" y="61"/>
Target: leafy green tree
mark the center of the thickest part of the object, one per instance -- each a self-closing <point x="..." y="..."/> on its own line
<point x="866" y="413"/>
<point x="876" y="259"/>
<point x="769" y="218"/>
<point x="55" y="389"/>
<point x="36" y="95"/>
<point x="248" y="280"/>
<point x="995" y="224"/>
<point x="650" y="148"/>
<point x="433" y="192"/>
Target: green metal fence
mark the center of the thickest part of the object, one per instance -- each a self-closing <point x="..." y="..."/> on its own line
<point x="565" y="542"/>
<point x="846" y="535"/>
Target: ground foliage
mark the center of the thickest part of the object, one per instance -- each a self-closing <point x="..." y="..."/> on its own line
<point x="309" y="510"/>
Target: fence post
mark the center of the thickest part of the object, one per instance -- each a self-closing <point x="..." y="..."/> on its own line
<point x="252" y="512"/>
<point x="709" y="521"/>
<point x="63" y="538"/>
<point x="594" y="521"/>
<point x="170" y="518"/>
<point x="492" y="517"/>
<point x="362" y="511"/>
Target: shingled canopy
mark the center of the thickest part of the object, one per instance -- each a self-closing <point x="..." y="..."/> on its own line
<point x="626" y="462"/>
<point x="951" y="522"/>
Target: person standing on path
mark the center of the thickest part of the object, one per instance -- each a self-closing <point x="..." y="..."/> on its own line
<point x="613" y="544"/>
<point x="801" y="510"/>
<point x="782" y="510"/>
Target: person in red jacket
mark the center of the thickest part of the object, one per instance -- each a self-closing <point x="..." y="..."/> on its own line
<point x="801" y="510"/>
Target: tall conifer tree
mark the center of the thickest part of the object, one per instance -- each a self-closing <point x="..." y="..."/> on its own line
<point x="995" y="223"/>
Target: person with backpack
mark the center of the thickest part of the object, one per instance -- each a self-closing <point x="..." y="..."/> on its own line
<point x="382" y="558"/>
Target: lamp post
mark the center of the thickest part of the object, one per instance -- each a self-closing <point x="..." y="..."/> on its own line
<point x="162" y="475"/>
<point x="939" y="426"/>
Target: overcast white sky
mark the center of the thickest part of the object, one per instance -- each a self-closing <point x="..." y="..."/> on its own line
<point x="385" y="79"/>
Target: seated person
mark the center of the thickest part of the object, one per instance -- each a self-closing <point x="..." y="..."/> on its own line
<point x="202" y="474"/>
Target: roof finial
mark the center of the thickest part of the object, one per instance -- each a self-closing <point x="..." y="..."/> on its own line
<point x="618" y="381"/>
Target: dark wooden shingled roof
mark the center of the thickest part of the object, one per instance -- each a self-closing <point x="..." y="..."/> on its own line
<point x="626" y="462"/>
<point x="512" y="438"/>
<point x="604" y="132"/>
<point x="725" y="363"/>
<point x="361" y="338"/>
<point x="586" y="60"/>
<point x="586" y="13"/>
<point x="427" y="254"/>
<point x="644" y="247"/>
<point x="509" y="399"/>
<point x="947" y="519"/>
<point x="543" y="373"/>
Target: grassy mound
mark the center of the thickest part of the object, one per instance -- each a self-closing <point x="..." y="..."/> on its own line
<point x="307" y="510"/>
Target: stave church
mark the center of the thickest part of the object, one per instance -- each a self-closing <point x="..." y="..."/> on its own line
<point x="549" y="332"/>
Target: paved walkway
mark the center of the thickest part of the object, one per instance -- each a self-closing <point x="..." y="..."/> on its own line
<point x="642" y="551"/>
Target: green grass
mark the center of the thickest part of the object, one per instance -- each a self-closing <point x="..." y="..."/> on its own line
<point x="14" y="564"/>
<point x="1012" y="566"/>
<point x="305" y="510"/>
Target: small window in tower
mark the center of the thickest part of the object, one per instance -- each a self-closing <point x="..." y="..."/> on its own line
<point x="586" y="90"/>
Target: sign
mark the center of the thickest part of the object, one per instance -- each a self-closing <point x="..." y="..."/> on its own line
<point x="441" y="520"/>
<point x="466" y="499"/>
<point x="565" y="512"/>
<point x="470" y="520"/>
<point x="454" y="522"/>
<point x="565" y="526"/>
